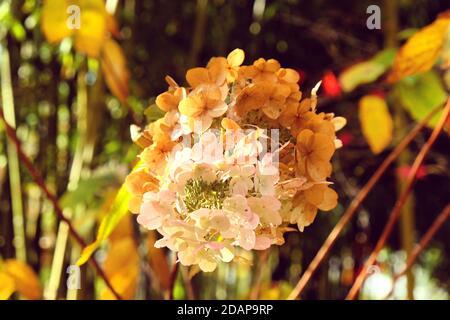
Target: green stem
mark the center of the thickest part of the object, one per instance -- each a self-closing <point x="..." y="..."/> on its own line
<point x="13" y="159"/>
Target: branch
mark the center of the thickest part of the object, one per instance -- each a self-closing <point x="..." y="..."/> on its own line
<point x="354" y="205"/>
<point x="11" y="133"/>
<point x="396" y="211"/>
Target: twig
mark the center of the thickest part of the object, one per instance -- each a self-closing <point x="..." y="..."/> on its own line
<point x="10" y="131"/>
<point x="354" y="205"/>
<point x="423" y="243"/>
<point x="396" y="211"/>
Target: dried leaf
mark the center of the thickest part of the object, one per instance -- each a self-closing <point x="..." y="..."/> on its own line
<point x="421" y="51"/>
<point x="376" y="122"/>
<point x="114" y="67"/>
<point x="25" y="279"/>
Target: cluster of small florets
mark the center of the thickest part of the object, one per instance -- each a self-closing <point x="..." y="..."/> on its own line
<point x="237" y="157"/>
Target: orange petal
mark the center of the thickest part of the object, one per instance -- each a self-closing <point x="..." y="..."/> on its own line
<point x="330" y="198"/>
<point x="305" y="139"/>
<point x="229" y="124"/>
<point x="323" y="146"/>
<point x="271" y="65"/>
<point x="191" y="106"/>
<point x="167" y="101"/>
<point x="318" y="170"/>
<point x="315" y="194"/>
<point x="197" y="76"/>
<point x="289" y="75"/>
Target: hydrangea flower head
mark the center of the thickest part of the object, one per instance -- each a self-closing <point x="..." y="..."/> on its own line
<point x="235" y="160"/>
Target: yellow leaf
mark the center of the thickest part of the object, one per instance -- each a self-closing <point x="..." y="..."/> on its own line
<point x="376" y="122"/>
<point x="421" y="51"/>
<point x="25" y="279"/>
<point x="124" y="282"/>
<point x="54" y="20"/>
<point x="91" y="33"/>
<point x="114" y="67"/>
<point x="7" y="286"/>
<point x="123" y="230"/>
<point x="122" y="268"/>
<point x="90" y="38"/>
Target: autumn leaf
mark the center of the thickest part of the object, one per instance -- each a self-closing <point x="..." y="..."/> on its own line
<point x="376" y="122"/>
<point x="7" y="286"/>
<point x="421" y="51"/>
<point x="26" y="281"/>
<point x="366" y="72"/>
<point x="114" y="67"/>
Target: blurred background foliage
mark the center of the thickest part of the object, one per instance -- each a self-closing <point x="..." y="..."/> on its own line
<point x="73" y="97"/>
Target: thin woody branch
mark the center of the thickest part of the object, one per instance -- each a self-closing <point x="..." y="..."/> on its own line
<point x="396" y="211"/>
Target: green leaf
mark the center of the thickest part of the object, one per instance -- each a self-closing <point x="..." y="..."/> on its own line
<point x="153" y="113"/>
<point x="420" y="94"/>
<point x="87" y="189"/>
<point x="368" y="71"/>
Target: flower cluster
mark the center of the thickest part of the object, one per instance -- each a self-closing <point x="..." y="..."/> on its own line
<point x="237" y="157"/>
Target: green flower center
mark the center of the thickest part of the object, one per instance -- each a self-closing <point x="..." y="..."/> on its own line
<point x="200" y="194"/>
